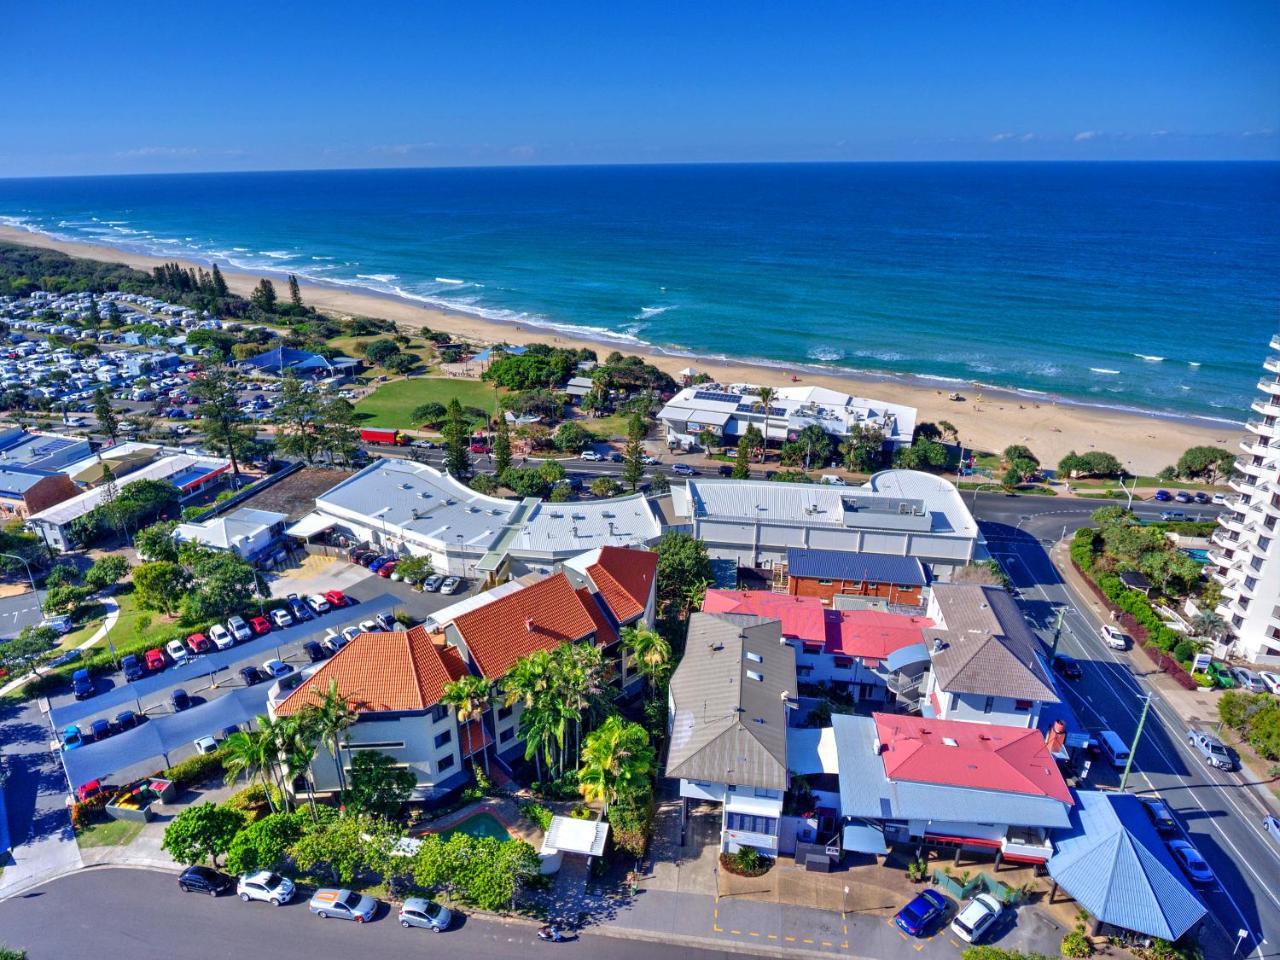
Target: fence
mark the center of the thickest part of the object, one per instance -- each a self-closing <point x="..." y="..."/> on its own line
<point x="964" y="890"/>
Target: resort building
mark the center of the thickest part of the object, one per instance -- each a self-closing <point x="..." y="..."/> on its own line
<point x="246" y="532"/>
<point x="281" y="361"/>
<point x="1246" y="555"/>
<point x="410" y="508"/>
<point x="832" y="574"/>
<point x="905" y="513"/>
<point x="28" y="490"/>
<point x="729" y="703"/>
<point x="43" y="451"/>
<point x="726" y="412"/>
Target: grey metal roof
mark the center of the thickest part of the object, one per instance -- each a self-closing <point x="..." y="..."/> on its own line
<point x="1114" y="864"/>
<point x="729" y="702"/>
<point x="865" y="791"/>
<point x="849" y="565"/>
<point x="987" y="647"/>
<point x="553" y="529"/>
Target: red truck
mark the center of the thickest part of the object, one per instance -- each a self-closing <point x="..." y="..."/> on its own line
<point x="392" y="437"/>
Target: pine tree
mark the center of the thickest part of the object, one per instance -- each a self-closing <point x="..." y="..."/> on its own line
<point x="113" y="313"/>
<point x="633" y="469"/>
<point x="264" y="296"/>
<point x="295" y="294"/>
<point x="457" y="458"/>
<point x="501" y="445"/>
<point x="219" y="284"/>
<point x="221" y="420"/>
<point x="108" y="423"/>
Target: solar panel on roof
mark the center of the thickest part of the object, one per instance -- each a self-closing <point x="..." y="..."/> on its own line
<point x="712" y="397"/>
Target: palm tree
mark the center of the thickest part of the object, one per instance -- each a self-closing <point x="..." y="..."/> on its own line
<point x="526" y="684"/>
<point x="246" y="754"/>
<point x="332" y="716"/>
<point x="1208" y="624"/>
<point x="616" y="760"/>
<point x="298" y="736"/>
<point x="766" y="397"/>
<point x="470" y="697"/>
<point x="694" y="594"/>
<point x="580" y="682"/>
<point x="650" y="653"/>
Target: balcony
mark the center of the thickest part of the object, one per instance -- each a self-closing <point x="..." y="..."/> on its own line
<point x="1271" y="364"/>
<point x="1242" y="485"/>
<point x="1262" y="427"/>
<point x="1247" y="466"/>
<point x="1275" y="342"/>
<point x="1223" y="579"/>
<point x="1219" y="559"/>
<point x="1256" y="448"/>
<point x="1270" y="386"/>
<point x="906" y="686"/>
<point x="1026" y="843"/>
<point x="1275" y="615"/>
<point x="1266" y="408"/>
<point x="1233" y="522"/>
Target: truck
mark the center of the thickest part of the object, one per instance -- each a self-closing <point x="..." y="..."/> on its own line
<point x="1212" y="750"/>
<point x="390" y="437"/>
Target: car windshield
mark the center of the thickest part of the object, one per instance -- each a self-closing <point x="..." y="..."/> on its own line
<point x="1218" y="748"/>
<point x="351" y="900"/>
<point x="432" y="910"/>
<point x="271" y="880"/>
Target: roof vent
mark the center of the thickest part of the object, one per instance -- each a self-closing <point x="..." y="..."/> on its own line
<point x="938" y="645"/>
<point x="406" y="486"/>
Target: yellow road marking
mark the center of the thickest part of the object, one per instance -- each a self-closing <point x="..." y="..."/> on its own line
<point x="790" y="939"/>
<point x="736" y="933"/>
<point x="806" y="940"/>
<point x="826" y="943"/>
<point x="752" y="933"/>
<point x="716" y="929"/>
<point x="773" y="936"/>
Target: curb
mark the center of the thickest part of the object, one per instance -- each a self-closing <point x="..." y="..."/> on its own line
<point x="711" y="943"/>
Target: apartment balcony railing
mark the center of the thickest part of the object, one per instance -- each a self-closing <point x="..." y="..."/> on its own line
<point x="1266" y="407"/>
<point x="1272" y="364"/>
<point x="1270" y="386"/>
<point x="906" y="686"/>
<point x="1224" y="579"/>
<point x="1261" y="426"/>
<point x="1275" y="342"/>
<point x="1247" y="466"/>
<point x="1241" y="484"/>
<point x="1233" y="522"/>
<point x="1257" y="448"/>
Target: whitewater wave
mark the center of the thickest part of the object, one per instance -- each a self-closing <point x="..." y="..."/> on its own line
<point x="1104" y="371"/>
<point x="451" y="281"/>
<point x="825" y="353"/>
<point x="1193" y="363"/>
<point x="884" y="356"/>
<point x="277" y="254"/>
<point x="647" y="312"/>
<point x="378" y="277"/>
<point x="1149" y="358"/>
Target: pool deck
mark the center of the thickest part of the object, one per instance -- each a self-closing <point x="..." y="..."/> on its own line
<point x="502" y="809"/>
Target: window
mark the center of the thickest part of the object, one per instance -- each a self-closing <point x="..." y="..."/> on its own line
<point x="445" y="763"/>
<point x="439" y="712"/>
<point x="989" y="705"/>
<point x="754" y="657"/>
<point x="824" y="583"/>
<point x="507" y="735"/>
<point x="1022" y="704"/>
<point x="376" y="745"/>
<point x="844" y="663"/>
<point x="504" y="712"/>
<point x="755" y="675"/>
<point x="443" y="738"/>
<point x="750" y="823"/>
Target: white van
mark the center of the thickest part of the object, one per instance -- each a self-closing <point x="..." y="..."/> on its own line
<point x="833" y="479"/>
<point x="1115" y="749"/>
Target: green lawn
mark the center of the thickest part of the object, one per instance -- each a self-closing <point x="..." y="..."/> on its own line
<point x="612" y="426"/>
<point x="109" y="833"/>
<point x="158" y="632"/>
<point x="392" y="403"/>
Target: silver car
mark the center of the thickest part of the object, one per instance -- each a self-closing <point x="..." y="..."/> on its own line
<point x="420" y="912"/>
<point x="343" y="904"/>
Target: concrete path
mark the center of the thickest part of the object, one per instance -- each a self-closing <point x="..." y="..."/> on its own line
<point x="113" y="614"/>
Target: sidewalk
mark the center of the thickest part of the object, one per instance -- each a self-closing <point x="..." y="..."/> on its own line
<point x="113" y="614"/>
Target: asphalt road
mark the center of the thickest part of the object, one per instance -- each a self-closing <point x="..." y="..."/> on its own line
<point x="1220" y="814"/>
<point x="112" y="914"/>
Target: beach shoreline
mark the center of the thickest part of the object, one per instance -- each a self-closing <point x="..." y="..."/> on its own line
<point x="988" y="419"/>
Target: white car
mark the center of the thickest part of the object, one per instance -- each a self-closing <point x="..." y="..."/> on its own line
<point x="1270" y="680"/>
<point x="350" y="633"/>
<point x="370" y="626"/>
<point x="276" y="668"/>
<point x="239" y="629"/>
<point x="333" y="641"/>
<point x="450" y="585"/>
<point x="1219" y="498"/>
<point x="282" y="618"/>
<point x="592" y="456"/>
<point x="649" y="460"/>
<point x="206" y="745"/>
<point x="1114" y="638"/>
<point x="318" y="603"/>
<point x="221" y="637"/>
<point x="833" y="480"/>
<point x="176" y="651"/>
<point x="266" y="886"/>
<point x="976" y="917"/>
<point x="387" y="622"/>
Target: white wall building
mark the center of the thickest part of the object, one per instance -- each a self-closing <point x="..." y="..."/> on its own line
<point x="245" y="532"/>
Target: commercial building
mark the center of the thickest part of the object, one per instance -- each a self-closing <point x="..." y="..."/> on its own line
<point x="1246" y="553"/>
<point x="904" y="513"/>
<point x="246" y="532"/>
<point x="28" y="490"/>
<point x="43" y="451"/>
<point x="828" y="574"/>
<point x="727" y="412"/>
<point x="279" y="361"/>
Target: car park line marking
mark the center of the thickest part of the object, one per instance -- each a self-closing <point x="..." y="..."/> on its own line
<point x="790" y="939"/>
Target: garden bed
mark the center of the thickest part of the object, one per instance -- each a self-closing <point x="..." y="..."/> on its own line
<point x="747" y="862"/>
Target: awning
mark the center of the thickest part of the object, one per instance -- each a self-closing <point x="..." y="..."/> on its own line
<point x="571" y="835"/>
<point x="863" y="838"/>
<point x="310" y="525"/>
<point x="904" y="656"/>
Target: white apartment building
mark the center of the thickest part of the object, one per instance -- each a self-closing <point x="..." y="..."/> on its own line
<point x="1246" y="555"/>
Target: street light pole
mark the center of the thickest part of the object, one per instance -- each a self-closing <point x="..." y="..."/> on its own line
<point x="1133" y="748"/>
<point x="31" y="577"/>
<point x="1057" y="633"/>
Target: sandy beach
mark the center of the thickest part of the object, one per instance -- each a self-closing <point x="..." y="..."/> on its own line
<point x="986" y="419"/>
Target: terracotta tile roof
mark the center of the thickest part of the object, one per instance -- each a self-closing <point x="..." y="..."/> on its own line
<point x="605" y="634"/>
<point x="480" y="737"/>
<point x="979" y="756"/>
<point x="874" y="634"/>
<point x="625" y="579"/>
<point x="377" y="672"/>
<point x="539" y="617"/>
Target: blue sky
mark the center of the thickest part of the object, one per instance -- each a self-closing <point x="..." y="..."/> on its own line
<point x="92" y="87"/>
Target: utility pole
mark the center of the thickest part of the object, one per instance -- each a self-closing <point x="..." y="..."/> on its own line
<point x="1057" y="633"/>
<point x="1133" y="748"/>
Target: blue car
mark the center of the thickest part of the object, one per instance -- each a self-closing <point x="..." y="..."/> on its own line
<point x="916" y="917"/>
<point x="72" y="738"/>
<point x="82" y="684"/>
<point x="1163" y="496"/>
<point x="132" y="667"/>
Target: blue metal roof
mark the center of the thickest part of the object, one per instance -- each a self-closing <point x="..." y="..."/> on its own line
<point x="1114" y="864"/>
<point x="847" y="565"/>
<point x="287" y="358"/>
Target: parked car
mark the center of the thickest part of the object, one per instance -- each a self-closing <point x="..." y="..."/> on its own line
<point x="132" y="667"/>
<point x="1219" y="499"/>
<point x="266" y="886"/>
<point x="126" y="720"/>
<point x="333" y="641"/>
<point x="616" y="457"/>
<point x="1271" y="826"/>
<point x="301" y="612"/>
<point x="314" y="651"/>
<point x="1161" y="818"/>
<point x="318" y="603"/>
<point x="206" y="745"/>
<point x="1192" y="864"/>
<point x="203" y="880"/>
<point x="222" y="638"/>
<point x="1183" y="497"/>
<point x="386" y="621"/>
<point x="1246" y="679"/>
<point x="239" y="629"/>
<point x="282" y="618"/>
<point x="917" y="916"/>
<point x="683" y="470"/>
<point x="1212" y="750"/>
<point x="1270" y="680"/>
<point x="337" y="598"/>
<point x="87" y="791"/>
<point x="276" y="668"/>
<point x="199" y="643"/>
<point x="976" y="918"/>
<point x="450" y="585"/>
<point x="421" y="912"/>
<point x="73" y="738"/>
<point x="1201" y="497"/>
<point x="649" y="460"/>
<point x="1171" y="516"/>
<point x="432" y="583"/>
<point x="100" y="730"/>
<point x="82" y="684"/>
<point x="370" y="626"/>
<point x="251" y="676"/>
<point x="350" y="633"/>
<point x="387" y="569"/>
<point x="260" y="626"/>
<point x="380" y="561"/>
<point x="154" y="659"/>
<point x="344" y="904"/>
<point x="1067" y="667"/>
<point x="1114" y="638"/>
<point x="1162" y="496"/>
<point x="724" y="470"/>
<point x="176" y="651"/>
<point x="179" y="699"/>
<point x="592" y="456"/>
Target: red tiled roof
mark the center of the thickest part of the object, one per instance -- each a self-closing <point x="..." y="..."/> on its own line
<point x="803" y="618"/>
<point x="605" y="634"/>
<point x="625" y="579"/>
<point x="975" y="755"/>
<point x="539" y="617"/>
<point x="873" y="634"/>
<point x="403" y="670"/>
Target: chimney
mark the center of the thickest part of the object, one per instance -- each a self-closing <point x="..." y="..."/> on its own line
<point x="528" y="624"/>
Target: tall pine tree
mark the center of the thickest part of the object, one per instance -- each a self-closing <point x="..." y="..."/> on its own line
<point x="295" y="294"/>
<point x="501" y="444"/>
<point x="107" y="420"/>
<point x="219" y="284"/>
<point x="264" y="295"/>
<point x="457" y="458"/>
<point x="633" y="469"/>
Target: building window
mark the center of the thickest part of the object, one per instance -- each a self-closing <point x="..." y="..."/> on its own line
<point x="507" y="735"/>
<point x="844" y="663"/>
<point x="1022" y="704"/>
<point x="755" y="675"/>
<point x="754" y="657"/>
<point x="445" y="763"/>
<point x="439" y="712"/>
<point x="443" y="738"/>
<point x="989" y="705"/>
<point x="376" y="745"/>
<point x="824" y="583"/>
<point x="751" y="823"/>
<point x="504" y="712"/>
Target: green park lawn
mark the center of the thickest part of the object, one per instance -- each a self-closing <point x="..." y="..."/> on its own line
<point x="108" y="833"/>
<point x="126" y="630"/>
<point x="392" y="404"/>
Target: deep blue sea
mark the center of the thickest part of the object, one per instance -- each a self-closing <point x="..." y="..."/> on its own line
<point x="1153" y="286"/>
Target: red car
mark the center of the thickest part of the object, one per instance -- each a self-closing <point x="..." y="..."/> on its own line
<point x="259" y="625"/>
<point x="155" y="659"/>
<point x="336" y="598"/>
<point x="199" y="643"/>
<point x="479" y="448"/>
<point x="87" y="791"/>
<point x="387" y="569"/>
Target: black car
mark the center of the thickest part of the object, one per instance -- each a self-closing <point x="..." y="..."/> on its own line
<point x="127" y="720"/>
<point x="315" y="653"/>
<point x="132" y="667"/>
<point x="299" y="609"/>
<point x="616" y="457"/>
<point x="1067" y="667"/>
<point x="251" y="675"/>
<point x="1201" y="497"/>
<point x="725" y="470"/>
<point x="204" y="880"/>
<point x="179" y="700"/>
<point x="100" y="730"/>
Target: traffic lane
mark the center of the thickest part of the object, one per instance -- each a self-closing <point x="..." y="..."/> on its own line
<point x="1226" y="835"/>
<point x="130" y="914"/>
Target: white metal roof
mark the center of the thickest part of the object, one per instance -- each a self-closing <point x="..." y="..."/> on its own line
<point x="557" y="528"/>
<point x="161" y="469"/>
<point x="571" y="835"/>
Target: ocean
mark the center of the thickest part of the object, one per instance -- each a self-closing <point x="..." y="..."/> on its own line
<point x="1130" y="285"/>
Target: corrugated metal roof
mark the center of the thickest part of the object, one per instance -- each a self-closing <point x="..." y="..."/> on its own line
<point x="729" y="693"/>
<point x="847" y="565"/>
<point x="558" y="528"/>
<point x="1114" y="864"/>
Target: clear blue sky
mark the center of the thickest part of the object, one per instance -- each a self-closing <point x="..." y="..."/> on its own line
<point x="93" y="87"/>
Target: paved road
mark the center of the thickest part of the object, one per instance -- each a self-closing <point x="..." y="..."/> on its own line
<point x="1220" y="814"/>
<point x="139" y="915"/>
<point x="17" y="612"/>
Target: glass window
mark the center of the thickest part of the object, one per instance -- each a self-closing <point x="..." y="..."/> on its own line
<point x="504" y="712"/>
<point x="445" y="763"/>
<point x="989" y="705"/>
<point x="507" y="734"/>
<point x="751" y="823"/>
<point x="439" y="712"/>
<point x="443" y="738"/>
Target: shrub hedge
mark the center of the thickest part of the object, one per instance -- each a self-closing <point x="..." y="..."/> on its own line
<point x="196" y="769"/>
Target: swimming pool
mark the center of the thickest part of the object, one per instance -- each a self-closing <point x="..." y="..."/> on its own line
<point x="479" y="825"/>
<point x="1198" y="555"/>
